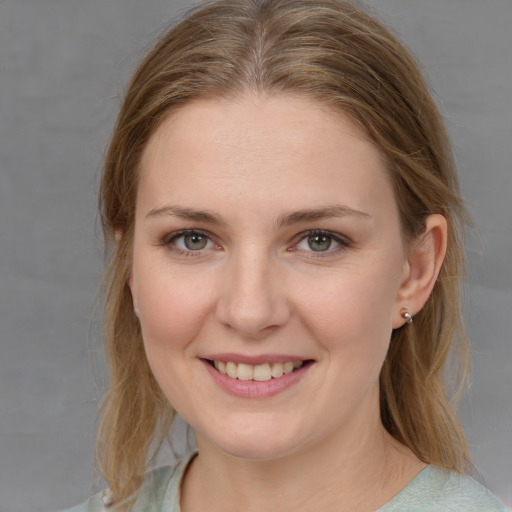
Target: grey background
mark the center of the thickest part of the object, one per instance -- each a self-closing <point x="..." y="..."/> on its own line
<point x="63" y="64"/>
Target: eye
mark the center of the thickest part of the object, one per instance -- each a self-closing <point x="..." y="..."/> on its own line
<point x="321" y="241"/>
<point x="189" y="241"/>
<point x="194" y="242"/>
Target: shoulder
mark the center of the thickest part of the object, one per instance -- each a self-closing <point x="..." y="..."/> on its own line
<point x="436" y="490"/>
<point x="151" y="496"/>
<point x="159" y="492"/>
<point x="463" y="493"/>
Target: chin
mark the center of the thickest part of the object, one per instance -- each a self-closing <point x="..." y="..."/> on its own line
<point x="257" y="451"/>
<point x="256" y="443"/>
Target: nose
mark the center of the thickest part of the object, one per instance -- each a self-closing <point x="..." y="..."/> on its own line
<point x="253" y="301"/>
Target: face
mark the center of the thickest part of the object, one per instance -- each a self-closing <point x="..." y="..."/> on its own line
<point x="267" y="266"/>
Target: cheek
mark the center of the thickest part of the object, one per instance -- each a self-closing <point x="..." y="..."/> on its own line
<point x="172" y="311"/>
<point x="171" y="306"/>
<point x="351" y="311"/>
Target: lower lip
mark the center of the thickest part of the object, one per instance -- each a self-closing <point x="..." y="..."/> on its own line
<point x="254" y="388"/>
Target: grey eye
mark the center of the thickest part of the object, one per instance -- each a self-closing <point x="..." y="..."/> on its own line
<point x="195" y="242"/>
<point x="319" y="243"/>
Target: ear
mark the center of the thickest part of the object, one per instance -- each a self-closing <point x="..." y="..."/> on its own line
<point x="424" y="261"/>
<point x="134" y="295"/>
<point x="118" y="237"/>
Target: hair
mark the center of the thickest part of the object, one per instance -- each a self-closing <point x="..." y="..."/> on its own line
<point x="336" y="54"/>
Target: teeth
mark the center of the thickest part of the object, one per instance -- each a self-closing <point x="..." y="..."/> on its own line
<point x="231" y="370"/>
<point x="262" y="372"/>
<point x="245" y="372"/>
<point x="277" y="370"/>
<point x="287" y="368"/>
<point x="259" y="372"/>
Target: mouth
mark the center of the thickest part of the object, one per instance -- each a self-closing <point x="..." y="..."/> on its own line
<point x="260" y="372"/>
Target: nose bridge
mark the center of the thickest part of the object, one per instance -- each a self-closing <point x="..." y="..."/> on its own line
<point x="253" y="301"/>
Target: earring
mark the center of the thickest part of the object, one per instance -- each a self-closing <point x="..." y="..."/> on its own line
<point x="107" y="497"/>
<point x="407" y="317"/>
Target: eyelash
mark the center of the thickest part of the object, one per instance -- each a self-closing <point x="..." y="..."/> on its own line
<point x="170" y="241"/>
<point x="343" y="243"/>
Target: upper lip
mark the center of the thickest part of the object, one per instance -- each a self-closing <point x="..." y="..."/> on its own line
<point x="254" y="359"/>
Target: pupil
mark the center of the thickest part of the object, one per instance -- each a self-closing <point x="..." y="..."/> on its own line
<point x="195" y="242"/>
<point x="319" y="242"/>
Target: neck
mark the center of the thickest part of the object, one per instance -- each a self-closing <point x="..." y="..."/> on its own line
<point x="332" y="475"/>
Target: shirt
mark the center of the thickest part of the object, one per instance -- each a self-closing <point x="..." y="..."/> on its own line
<point x="431" y="490"/>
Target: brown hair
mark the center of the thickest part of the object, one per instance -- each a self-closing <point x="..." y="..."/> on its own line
<point x="335" y="53"/>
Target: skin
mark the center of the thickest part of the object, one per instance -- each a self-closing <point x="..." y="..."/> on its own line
<point x="260" y="287"/>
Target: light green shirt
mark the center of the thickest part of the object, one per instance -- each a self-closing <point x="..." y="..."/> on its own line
<point x="432" y="490"/>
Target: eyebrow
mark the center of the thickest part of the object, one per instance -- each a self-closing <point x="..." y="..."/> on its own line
<point x="182" y="212"/>
<point x="288" y="219"/>
<point x="320" y="213"/>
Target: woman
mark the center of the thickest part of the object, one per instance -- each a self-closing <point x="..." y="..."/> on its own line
<point x="286" y="233"/>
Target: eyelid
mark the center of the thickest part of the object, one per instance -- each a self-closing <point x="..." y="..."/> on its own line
<point x="342" y="241"/>
<point x="168" y="240"/>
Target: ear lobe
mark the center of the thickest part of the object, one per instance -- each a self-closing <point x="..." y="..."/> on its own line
<point x="424" y="263"/>
<point x="130" y="280"/>
<point x="118" y="238"/>
<point x="134" y="299"/>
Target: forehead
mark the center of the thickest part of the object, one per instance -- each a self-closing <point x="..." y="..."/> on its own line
<point x="263" y="147"/>
<point x="254" y="121"/>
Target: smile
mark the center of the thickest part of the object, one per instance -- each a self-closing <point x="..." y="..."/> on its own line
<point x="260" y="372"/>
<point x="257" y="378"/>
